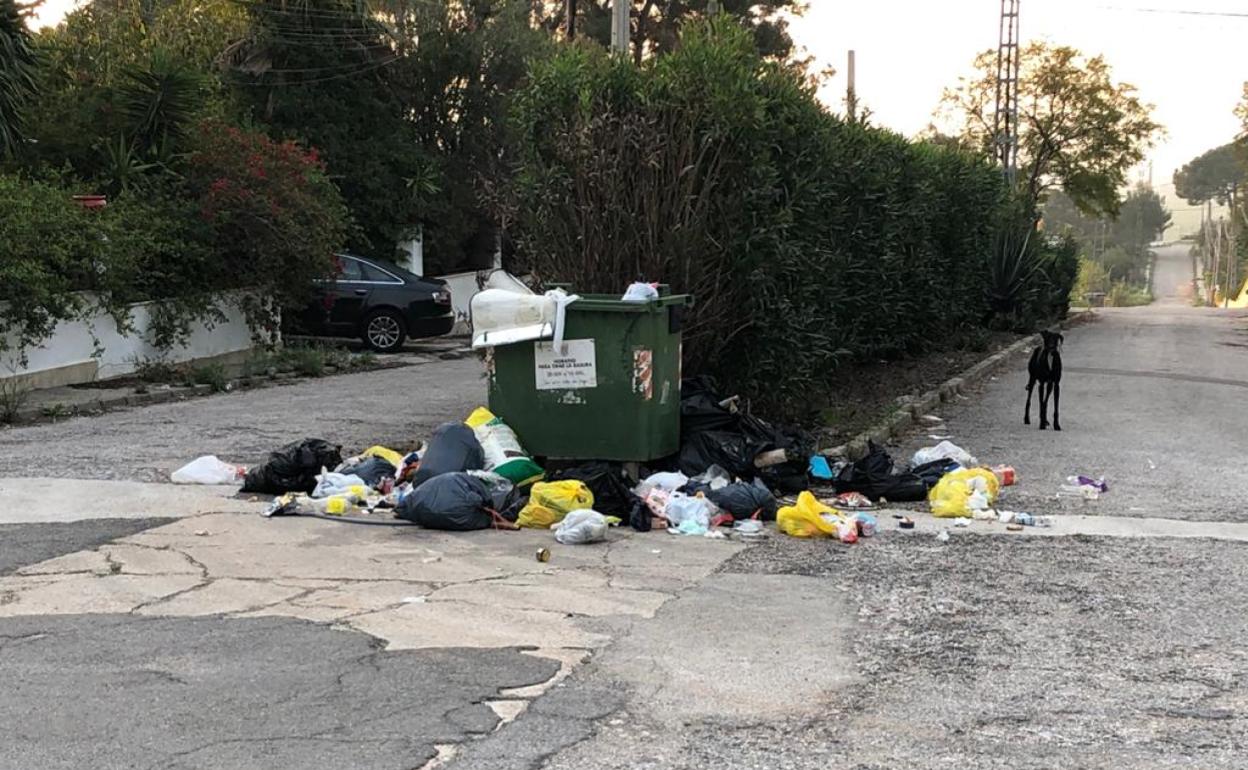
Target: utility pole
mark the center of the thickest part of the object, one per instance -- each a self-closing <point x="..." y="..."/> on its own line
<point x="620" y="32"/>
<point x="1006" y="120"/>
<point x="851" y="95"/>
<point x="571" y="20"/>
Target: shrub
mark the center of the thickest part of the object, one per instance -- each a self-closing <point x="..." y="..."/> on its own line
<point x="212" y="375"/>
<point x="1093" y="278"/>
<point x="275" y="219"/>
<point x="804" y="238"/>
<point x="52" y="248"/>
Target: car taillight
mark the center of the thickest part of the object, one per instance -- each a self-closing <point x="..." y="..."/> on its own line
<point x="442" y="297"/>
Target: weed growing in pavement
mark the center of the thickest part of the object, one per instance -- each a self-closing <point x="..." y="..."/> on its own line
<point x="212" y="375"/>
<point x="365" y="360"/>
<point x="55" y="411"/>
<point x="157" y="370"/>
<point x="14" y="393"/>
<point x="339" y="358"/>
<point x="306" y="362"/>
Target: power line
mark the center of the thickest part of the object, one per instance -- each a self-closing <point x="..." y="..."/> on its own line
<point x="1175" y="11"/>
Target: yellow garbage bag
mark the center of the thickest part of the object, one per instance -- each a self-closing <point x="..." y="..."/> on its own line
<point x="550" y="501"/>
<point x="480" y="416"/>
<point x="805" y="518"/>
<point x="951" y="497"/>
<point x="389" y="455"/>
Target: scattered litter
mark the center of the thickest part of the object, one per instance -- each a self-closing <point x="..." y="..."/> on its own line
<point x="1014" y="527"/>
<point x="945" y="450"/>
<point x="1084" y="487"/>
<point x="943" y="536"/>
<point x="1005" y="474"/>
<point x="810" y="518"/>
<point x="293" y="468"/>
<point x="453" y="448"/>
<point x="543" y="555"/>
<point x="656" y="551"/>
<point x="905" y="523"/>
<point x="1087" y="481"/>
<point x="201" y="533"/>
<point x="931" y="418"/>
<point x="867" y="525"/>
<point x="963" y="492"/>
<point x="820" y="469"/>
<point x="208" y="470"/>
<point x="747" y="528"/>
<point x="852" y="500"/>
<point x="431" y="560"/>
<point x="690" y="527"/>
<point x="582" y="526"/>
<point x="961" y="522"/>
<point x="938" y="437"/>
<point x="329" y="484"/>
<point x="502" y="450"/>
<point x="1152" y="466"/>
<point x="413" y="600"/>
<point x="550" y="501"/>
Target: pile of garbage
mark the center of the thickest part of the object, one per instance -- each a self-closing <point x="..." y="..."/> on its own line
<point x="733" y="472"/>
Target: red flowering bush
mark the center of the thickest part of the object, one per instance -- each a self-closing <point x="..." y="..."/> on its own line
<point x="275" y="218"/>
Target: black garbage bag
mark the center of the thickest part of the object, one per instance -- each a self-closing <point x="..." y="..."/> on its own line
<point x="372" y="470"/>
<point x="449" y="501"/>
<point x="714" y="435"/>
<point x="613" y="491"/>
<point x="741" y="500"/>
<point x="873" y="476"/>
<point x="453" y="447"/>
<point x="293" y="468"/>
<point x="935" y="470"/>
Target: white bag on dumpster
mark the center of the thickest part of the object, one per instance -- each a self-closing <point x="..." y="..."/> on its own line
<point x="583" y="526"/>
<point x="945" y="450"/>
<point x="640" y="292"/>
<point x="207" y="470"/>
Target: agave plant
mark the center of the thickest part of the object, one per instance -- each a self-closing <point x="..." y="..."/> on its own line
<point x="18" y="64"/>
<point x="1014" y="268"/>
<point x="159" y="101"/>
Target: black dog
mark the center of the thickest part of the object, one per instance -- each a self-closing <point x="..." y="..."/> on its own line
<point x="1045" y="367"/>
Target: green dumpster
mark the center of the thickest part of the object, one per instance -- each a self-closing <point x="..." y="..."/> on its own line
<point x="612" y="390"/>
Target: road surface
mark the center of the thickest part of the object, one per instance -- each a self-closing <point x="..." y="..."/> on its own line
<point x="1152" y="398"/>
<point x="225" y="640"/>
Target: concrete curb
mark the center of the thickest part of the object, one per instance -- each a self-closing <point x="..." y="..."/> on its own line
<point x="43" y="414"/>
<point x="912" y="408"/>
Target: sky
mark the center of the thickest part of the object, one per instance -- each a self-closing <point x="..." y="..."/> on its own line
<point x="908" y="51"/>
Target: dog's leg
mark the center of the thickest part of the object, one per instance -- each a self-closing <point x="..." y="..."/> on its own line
<point x="1044" y="405"/>
<point x="1057" y="395"/>
<point x="1027" y="409"/>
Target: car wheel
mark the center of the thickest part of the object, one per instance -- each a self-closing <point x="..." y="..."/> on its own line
<point x="384" y="332"/>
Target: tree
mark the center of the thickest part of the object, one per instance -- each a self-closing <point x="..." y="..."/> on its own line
<point x="1079" y="130"/>
<point x="1142" y="218"/>
<point x="1213" y="175"/>
<point x="656" y="25"/>
<point x="17" y="75"/>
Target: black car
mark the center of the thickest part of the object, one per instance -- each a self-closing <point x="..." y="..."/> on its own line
<point x="379" y="302"/>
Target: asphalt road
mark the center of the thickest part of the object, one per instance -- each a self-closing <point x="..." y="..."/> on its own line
<point x="1151" y="399"/>
<point x="394" y="407"/>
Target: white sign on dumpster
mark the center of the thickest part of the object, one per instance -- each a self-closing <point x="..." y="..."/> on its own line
<point x="571" y="365"/>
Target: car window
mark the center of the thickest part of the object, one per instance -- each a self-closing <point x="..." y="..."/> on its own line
<point x="349" y="269"/>
<point x="372" y="273"/>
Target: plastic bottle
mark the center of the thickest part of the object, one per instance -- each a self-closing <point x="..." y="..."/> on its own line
<point x="1028" y="520"/>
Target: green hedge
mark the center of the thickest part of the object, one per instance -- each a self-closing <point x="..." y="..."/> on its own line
<point x="805" y="238"/>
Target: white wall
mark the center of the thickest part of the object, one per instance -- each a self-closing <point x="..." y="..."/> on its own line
<point x="72" y="347"/>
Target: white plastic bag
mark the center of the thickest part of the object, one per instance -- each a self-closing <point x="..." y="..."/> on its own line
<point x="945" y="450"/>
<point x="668" y="482"/>
<point x="583" y="526"/>
<point x="714" y="477"/>
<point x="329" y="484"/>
<point x="682" y="508"/>
<point x="640" y="292"/>
<point x="207" y="470"/>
